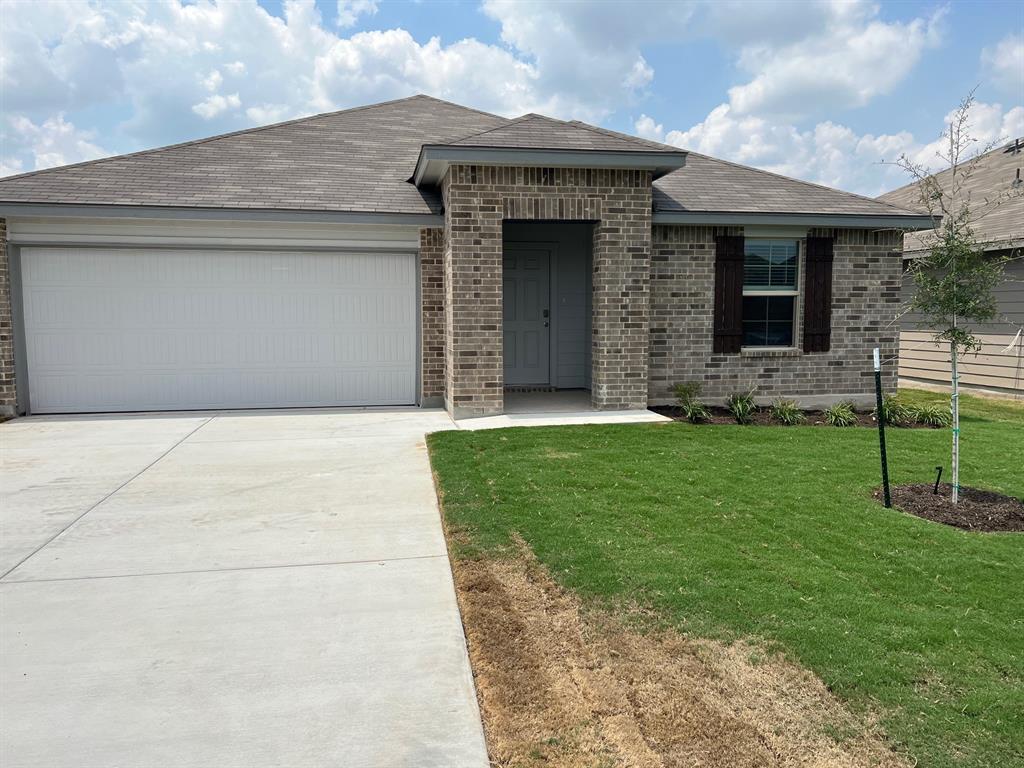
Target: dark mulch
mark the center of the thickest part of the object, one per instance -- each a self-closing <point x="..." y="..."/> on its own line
<point x="976" y="510"/>
<point x="763" y="417"/>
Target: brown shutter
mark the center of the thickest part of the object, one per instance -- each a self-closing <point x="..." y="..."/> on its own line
<point x="728" y="294"/>
<point x="818" y="295"/>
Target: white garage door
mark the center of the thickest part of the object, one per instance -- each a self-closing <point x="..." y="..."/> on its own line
<point x="145" y="329"/>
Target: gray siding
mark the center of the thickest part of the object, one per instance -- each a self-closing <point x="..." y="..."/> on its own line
<point x="993" y="368"/>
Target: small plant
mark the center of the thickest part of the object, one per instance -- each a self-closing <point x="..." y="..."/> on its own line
<point x="786" y="412"/>
<point x="742" y="407"/>
<point x="894" y="412"/>
<point x="841" y="415"/>
<point x="688" y="397"/>
<point x="931" y="415"/>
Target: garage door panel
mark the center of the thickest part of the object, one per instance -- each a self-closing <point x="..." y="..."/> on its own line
<point x="111" y="330"/>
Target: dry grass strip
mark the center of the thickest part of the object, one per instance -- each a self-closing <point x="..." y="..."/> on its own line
<point x="559" y="686"/>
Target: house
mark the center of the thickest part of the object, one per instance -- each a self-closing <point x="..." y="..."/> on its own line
<point x="996" y="196"/>
<point x="419" y="252"/>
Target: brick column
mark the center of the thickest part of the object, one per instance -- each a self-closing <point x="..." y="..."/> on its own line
<point x="474" y="372"/>
<point x="8" y="393"/>
<point x="432" y="348"/>
<point x="621" y="300"/>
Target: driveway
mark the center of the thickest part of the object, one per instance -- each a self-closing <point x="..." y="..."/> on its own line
<point x="240" y="589"/>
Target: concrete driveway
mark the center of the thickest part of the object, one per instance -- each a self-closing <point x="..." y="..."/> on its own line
<point x="241" y="589"/>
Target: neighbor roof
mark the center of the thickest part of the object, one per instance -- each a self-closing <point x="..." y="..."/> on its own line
<point x="998" y="208"/>
<point x="360" y="161"/>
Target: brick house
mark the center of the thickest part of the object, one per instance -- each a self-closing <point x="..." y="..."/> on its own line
<point x="419" y="252"/>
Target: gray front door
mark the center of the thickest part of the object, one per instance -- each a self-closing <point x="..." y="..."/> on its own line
<point x="526" y="276"/>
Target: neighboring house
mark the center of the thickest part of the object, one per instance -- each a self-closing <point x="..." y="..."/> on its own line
<point x="417" y="251"/>
<point x="996" y="196"/>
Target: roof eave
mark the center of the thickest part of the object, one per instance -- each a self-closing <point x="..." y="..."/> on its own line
<point x="909" y="222"/>
<point x="16" y="209"/>
<point x="435" y="159"/>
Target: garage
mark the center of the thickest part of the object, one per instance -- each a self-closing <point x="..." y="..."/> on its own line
<point x="144" y="329"/>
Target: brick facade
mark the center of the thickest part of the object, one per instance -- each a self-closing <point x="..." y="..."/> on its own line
<point x="7" y="386"/>
<point x="477" y="200"/>
<point x="432" y="316"/>
<point x="867" y="273"/>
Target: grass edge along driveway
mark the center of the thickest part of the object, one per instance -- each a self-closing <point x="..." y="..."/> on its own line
<point x="771" y="533"/>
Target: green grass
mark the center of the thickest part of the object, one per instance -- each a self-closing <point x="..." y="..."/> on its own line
<point x="771" y="532"/>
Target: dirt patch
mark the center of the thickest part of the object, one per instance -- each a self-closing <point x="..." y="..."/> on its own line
<point x="976" y="510"/>
<point x="763" y="418"/>
<point x="560" y="686"/>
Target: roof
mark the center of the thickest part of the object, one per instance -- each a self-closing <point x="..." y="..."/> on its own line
<point x="707" y="184"/>
<point x="359" y="161"/>
<point x="998" y="212"/>
<point x="355" y="160"/>
<point x="540" y="132"/>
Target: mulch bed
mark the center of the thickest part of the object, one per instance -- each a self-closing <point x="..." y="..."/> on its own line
<point x="763" y="418"/>
<point x="977" y="510"/>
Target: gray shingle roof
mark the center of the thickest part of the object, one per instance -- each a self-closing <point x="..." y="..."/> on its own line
<point x="540" y="132"/>
<point x="355" y="160"/>
<point x="997" y="210"/>
<point x="707" y="184"/>
<point x="360" y="160"/>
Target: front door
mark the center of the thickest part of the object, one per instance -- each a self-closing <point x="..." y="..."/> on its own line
<point x="527" y="309"/>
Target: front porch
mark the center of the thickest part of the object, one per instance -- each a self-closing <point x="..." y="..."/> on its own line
<point x="546" y="285"/>
<point x="556" y="408"/>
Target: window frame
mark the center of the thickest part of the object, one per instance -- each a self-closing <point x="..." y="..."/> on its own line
<point x="793" y="292"/>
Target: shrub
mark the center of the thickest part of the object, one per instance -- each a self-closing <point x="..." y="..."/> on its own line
<point x="841" y="415"/>
<point x="741" y="406"/>
<point x="688" y="397"/>
<point x="786" y="412"/>
<point x="894" y="412"/>
<point x="934" y="416"/>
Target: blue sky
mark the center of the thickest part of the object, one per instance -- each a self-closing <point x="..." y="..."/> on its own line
<point x="818" y="90"/>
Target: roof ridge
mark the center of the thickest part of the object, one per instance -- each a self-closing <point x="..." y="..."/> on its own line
<point x="241" y="132"/>
<point x="625" y="136"/>
<point x="806" y="183"/>
<point x="506" y="124"/>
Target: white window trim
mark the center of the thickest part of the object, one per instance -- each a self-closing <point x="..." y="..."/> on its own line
<point x="784" y="292"/>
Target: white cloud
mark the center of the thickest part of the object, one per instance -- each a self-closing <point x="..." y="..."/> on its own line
<point x="646" y="128"/>
<point x="235" y="68"/>
<point x="216" y="105"/>
<point x="390" y="64"/>
<point x="349" y="11"/>
<point x="53" y="142"/>
<point x="826" y="153"/>
<point x="1004" y="64"/>
<point x="853" y="58"/>
<point x="212" y="81"/>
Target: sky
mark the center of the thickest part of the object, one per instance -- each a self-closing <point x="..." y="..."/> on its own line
<point x="831" y="91"/>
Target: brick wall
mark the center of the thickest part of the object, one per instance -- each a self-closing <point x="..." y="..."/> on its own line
<point x="432" y="316"/>
<point x="7" y="389"/>
<point x="477" y="200"/>
<point x="865" y="299"/>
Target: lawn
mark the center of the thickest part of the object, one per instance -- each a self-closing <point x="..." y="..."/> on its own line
<point x="772" y="533"/>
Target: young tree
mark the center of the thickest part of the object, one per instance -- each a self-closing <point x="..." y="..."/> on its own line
<point x="955" y="279"/>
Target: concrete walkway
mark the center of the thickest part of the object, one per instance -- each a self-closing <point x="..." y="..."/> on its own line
<point x="245" y="589"/>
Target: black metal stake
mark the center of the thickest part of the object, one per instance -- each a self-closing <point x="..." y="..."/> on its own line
<point x="935" y="490"/>
<point x="881" y="430"/>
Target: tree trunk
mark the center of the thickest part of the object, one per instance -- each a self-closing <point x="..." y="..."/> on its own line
<point x="955" y="408"/>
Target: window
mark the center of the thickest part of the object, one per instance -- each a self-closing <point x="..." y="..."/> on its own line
<point x="769" y="292"/>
